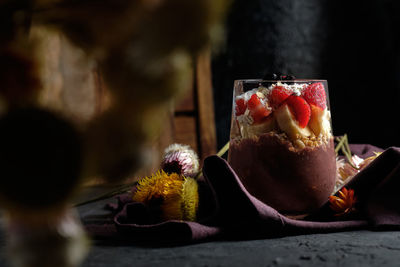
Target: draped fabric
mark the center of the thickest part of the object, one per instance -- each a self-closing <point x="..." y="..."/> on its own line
<point x="228" y="211"/>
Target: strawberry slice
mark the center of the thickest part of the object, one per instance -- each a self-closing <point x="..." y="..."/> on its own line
<point x="300" y="109"/>
<point x="278" y="95"/>
<point x="240" y="106"/>
<point x="315" y="94"/>
<point x="260" y="114"/>
<point x="253" y="102"/>
<point x="258" y="111"/>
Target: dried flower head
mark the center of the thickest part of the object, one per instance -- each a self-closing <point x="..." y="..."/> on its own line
<point x="368" y="160"/>
<point x="344" y="202"/>
<point x="347" y="170"/>
<point x="180" y="159"/>
<point x="174" y="196"/>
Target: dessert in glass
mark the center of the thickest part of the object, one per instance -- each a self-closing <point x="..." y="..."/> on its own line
<point x="281" y="143"/>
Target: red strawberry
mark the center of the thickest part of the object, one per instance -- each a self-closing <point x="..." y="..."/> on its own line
<point x="278" y="95"/>
<point x="253" y="102"/>
<point x="257" y="110"/>
<point x="240" y="106"/>
<point x="315" y="94"/>
<point x="300" y="109"/>
<point x="260" y="114"/>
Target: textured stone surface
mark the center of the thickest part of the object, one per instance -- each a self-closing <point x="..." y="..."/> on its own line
<point x="356" y="248"/>
<point x="361" y="248"/>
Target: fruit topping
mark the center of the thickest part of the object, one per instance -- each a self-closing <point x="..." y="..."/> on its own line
<point x="277" y="95"/>
<point x="300" y="109"/>
<point x="315" y="94"/>
<point x="240" y="106"/>
<point x="288" y="124"/>
<point x="259" y="114"/>
<point x="253" y="102"/>
<point x="319" y="120"/>
<point x="265" y="126"/>
<point x="257" y="110"/>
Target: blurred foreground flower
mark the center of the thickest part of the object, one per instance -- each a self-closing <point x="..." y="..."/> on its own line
<point x="172" y="196"/>
<point x="344" y="202"/>
<point x="180" y="159"/>
<point x="46" y="241"/>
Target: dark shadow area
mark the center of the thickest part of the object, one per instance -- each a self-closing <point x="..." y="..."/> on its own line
<point x="354" y="45"/>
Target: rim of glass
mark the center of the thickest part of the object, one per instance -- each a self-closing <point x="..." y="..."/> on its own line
<point x="283" y="81"/>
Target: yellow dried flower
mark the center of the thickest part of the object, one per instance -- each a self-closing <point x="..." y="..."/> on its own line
<point x="174" y="196"/>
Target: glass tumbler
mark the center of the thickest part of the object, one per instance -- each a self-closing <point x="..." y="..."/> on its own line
<point x="281" y="142"/>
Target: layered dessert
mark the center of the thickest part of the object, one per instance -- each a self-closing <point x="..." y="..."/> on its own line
<point x="281" y="143"/>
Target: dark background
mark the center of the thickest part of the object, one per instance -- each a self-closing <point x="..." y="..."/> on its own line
<point x="355" y="45"/>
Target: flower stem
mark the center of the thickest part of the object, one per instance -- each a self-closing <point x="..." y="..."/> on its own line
<point x="223" y="150"/>
<point x="220" y="153"/>
<point x="343" y="145"/>
<point x="121" y="189"/>
<point x="340" y="144"/>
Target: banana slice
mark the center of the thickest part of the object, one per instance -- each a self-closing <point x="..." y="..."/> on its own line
<point x="289" y="125"/>
<point x="320" y="121"/>
<point x="259" y="128"/>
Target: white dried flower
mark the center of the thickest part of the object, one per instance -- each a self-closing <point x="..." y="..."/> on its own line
<point x="356" y="160"/>
<point x="180" y="159"/>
